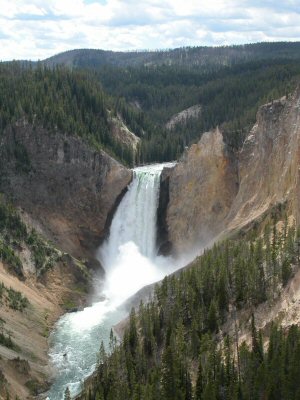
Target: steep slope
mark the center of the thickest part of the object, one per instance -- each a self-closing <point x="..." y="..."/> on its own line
<point x="212" y="193"/>
<point x="186" y="342"/>
<point x="202" y="187"/>
<point x="24" y="361"/>
<point x="213" y="308"/>
<point x="269" y="163"/>
<point x="177" y="346"/>
<point x="66" y="187"/>
<point x="38" y="283"/>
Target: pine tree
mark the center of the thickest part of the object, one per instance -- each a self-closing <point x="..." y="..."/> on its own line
<point x="199" y="383"/>
<point x="67" y="394"/>
<point x="168" y="375"/>
<point x="133" y="337"/>
<point x="256" y="341"/>
<point x="212" y="317"/>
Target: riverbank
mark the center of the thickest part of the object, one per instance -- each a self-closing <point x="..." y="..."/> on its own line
<point x="24" y="361"/>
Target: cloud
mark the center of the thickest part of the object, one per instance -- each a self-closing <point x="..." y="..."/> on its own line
<point x="36" y="29"/>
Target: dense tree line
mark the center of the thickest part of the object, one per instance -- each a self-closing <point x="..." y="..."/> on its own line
<point x="144" y="97"/>
<point x="203" y="57"/>
<point x="60" y="100"/>
<point x="229" y="97"/>
<point x="174" y="347"/>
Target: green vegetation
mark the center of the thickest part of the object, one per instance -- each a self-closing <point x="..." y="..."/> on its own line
<point x="69" y="305"/>
<point x="59" y="100"/>
<point x="8" y="255"/>
<point x="23" y="163"/>
<point x="229" y="98"/>
<point x="202" y="57"/>
<point x="6" y="341"/>
<point x="10" y="221"/>
<point x="145" y="90"/>
<point x="34" y="386"/>
<point x="5" y="338"/>
<point x="12" y="298"/>
<point x="3" y="380"/>
<point x="44" y="255"/>
<point x="14" y="234"/>
<point x="178" y="332"/>
<point x="16" y="300"/>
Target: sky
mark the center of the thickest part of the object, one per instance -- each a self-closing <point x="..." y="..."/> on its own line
<point x="37" y="29"/>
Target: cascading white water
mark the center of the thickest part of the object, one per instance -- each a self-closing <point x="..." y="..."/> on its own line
<point x="130" y="260"/>
<point x="135" y="219"/>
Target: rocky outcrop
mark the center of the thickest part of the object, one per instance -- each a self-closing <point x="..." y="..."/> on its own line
<point x="183" y="116"/>
<point x="214" y="193"/>
<point x="65" y="187"/>
<point x="123" y="135"/>
<point x="202" y="186"/>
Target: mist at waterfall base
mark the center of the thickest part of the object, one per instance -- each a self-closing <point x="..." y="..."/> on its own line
<point x="130" y="260"/>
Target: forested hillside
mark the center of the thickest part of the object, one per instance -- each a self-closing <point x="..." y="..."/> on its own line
<point x="227" y="84"/>
<point x="175" y="348"/>
<point x="229" y="98"/>
<point x="85" y="100"/>
<point x="200" y="56"/>
<point x="60" y="100"/>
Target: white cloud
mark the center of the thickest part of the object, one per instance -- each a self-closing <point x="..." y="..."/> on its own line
<point x="36" y="29"/>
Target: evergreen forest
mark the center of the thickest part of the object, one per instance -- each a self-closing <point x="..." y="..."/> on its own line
<point x="82" y="97"/>
<point x="176" y="347"/>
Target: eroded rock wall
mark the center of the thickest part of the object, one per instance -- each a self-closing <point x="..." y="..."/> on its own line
<point x="269" y="163"/>
<point x="214" y="193"/>
<point x="202" y="188"/>
<point x="67" y="188"/>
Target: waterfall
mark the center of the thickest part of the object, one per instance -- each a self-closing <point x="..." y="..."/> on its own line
<point x="129" y="256"/>
<point x="130" y="260"/>
<point x="135" y="219"/>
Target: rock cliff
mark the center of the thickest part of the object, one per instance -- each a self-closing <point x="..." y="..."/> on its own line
<point x="67" y="188"/>
<point x="269" y="163"/>
<point x="213" y="193"/>
<point x="202" y="187"/>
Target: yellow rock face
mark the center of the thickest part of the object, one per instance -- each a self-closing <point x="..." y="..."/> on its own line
<point x="213" y="192"/>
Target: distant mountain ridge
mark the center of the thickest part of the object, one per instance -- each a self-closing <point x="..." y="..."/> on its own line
<point x="184" y="56"/>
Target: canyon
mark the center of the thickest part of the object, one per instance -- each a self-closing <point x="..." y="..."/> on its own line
<point x="69" y="192"/>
